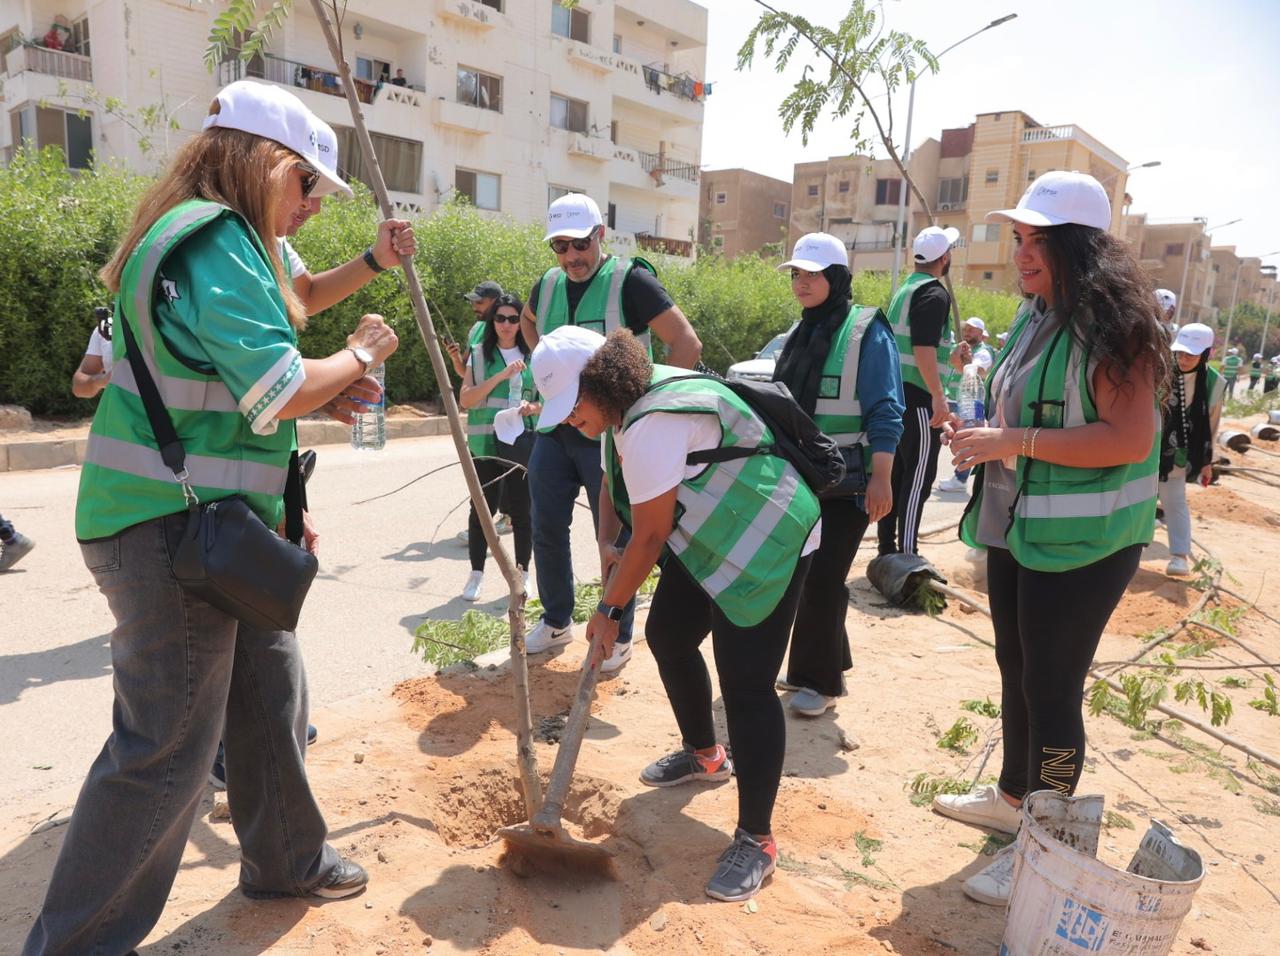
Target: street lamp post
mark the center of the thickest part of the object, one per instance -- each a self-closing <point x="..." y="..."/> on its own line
<point x="1186" y="261"/>
<point x="899" y="234"/>
<point x="1129" y="169"/>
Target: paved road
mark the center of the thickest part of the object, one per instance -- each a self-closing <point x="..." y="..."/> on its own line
<point x="380" y="576"/>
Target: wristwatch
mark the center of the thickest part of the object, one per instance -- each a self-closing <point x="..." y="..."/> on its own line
<point x="611" y="611"/>
<point x="362" y="356"/>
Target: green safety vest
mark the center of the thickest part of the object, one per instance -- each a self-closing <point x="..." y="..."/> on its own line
<point x="740" y="525"/>
<point x="481" y="438"/>
<point x="837" y="410"/>
<point x="899" y="313"/>
<point x="1064" y="517"/>
<point x="1217" y="386"/>
<point x="476" y="334"/>
<point x="599" y="309"/>
<point x="1231" y="365"/>
<point x="124" y="480"/>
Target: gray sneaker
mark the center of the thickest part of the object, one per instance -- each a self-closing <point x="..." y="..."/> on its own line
<point x="742" y="868"/>
<point x="684" y="765"/>
<point x="810" y="703"/>
<point x="14" y="550"/>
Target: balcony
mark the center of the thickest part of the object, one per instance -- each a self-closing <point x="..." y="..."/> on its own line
<point x="599" y="60"/>
<point x="667" y="247"/>
<point x="275" y="69"/>
<point x="471" y="13"/>
<point x="59" y="63"/>
<point x="654" y="89"/>
<point x="580" y="145"/>
<point x="465" y="119"/>
<point x="1048" y="134"/>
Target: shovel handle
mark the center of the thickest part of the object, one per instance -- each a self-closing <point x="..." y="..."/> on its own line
<point x="548" y="816"/>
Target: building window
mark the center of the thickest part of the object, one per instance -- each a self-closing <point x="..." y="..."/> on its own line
<point x="555" y="192"/>
<point x="779" y="210"/>
<point x="371" y="69"/>
<point x="1174" y="249"/>
<point x="721" y="198"/>
<point x="42" y="126"/>
<point x="570" y="24"/>
<point x="888" y="191"/>
<point x="613" y="132"/>
<point x="842" y="186"/>
<point x="988" y="276"/>
<point x="492" y="4"/>
<point x="617" y="44"/>
<point x="483" y="189"/>
<point x="611" y="216"/>
<point x="479" y="89"/>
<point x="400" y="159"/>
<point x="953" y="192"/>
<point x="717" y="242"/>
<point x="993" y="175"/>
<point x="813" y="191"/>
<point x="568" y="114"/>
<point x="986" y="232"/>
<point x="78" y="42"/>
<point x="1031" y="175"/>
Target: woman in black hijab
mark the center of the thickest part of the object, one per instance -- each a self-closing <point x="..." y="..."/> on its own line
<point x="841" y="364"/>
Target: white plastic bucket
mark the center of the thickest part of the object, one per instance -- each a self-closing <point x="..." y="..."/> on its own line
<point x="1265" y="431"/>
<point x="1065" y="902"/>
<point x="1234" y="441"/>
<point x="1274" y="416"/>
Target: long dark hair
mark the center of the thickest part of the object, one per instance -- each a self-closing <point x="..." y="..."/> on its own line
<point x="490" y="341"/>
<point x="1107" y="302"/>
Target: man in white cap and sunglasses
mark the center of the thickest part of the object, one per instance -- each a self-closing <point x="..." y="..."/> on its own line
<point x="918" y="313"/>
<point x="600" y="292"/>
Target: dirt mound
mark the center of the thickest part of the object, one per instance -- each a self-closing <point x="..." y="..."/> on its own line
<point x="1218" y="502"/>
<point x="1153" y="602"/>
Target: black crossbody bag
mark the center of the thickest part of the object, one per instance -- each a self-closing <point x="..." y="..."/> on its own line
<point x="227" y="556"/>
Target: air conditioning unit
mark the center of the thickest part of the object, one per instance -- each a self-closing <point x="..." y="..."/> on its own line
<point x="946" y="205"/>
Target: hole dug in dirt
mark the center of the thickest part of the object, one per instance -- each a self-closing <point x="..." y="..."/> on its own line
<point x="471" y="810"/>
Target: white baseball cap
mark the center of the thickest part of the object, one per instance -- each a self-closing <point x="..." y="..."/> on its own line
<point x="815" y="251"/>
<point x="1002" y="337"/>
<point x="975" y="322"/>
<point x="1257" y="355"/>
<point x="1059" y="197"/>
<point x="932" y="243"/>
<point x="1194" y="338"/>
<point x="557" y="362"/>
<point x="573" y="216"/>
<point x="274" y="113"/>
<point x="1233" y="351"/>
<point x="1166" y="299"/>
<point x="327" y="147"/>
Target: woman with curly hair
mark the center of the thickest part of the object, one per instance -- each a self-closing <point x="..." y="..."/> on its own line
<point x="1066" y="486"/>
<point x="733" y="534"/>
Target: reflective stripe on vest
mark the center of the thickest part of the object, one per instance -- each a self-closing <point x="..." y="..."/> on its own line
<point x="593" y="312"/>
<point x="899" y="320"/>
<point x="205" y="471"/>
<point x="481" y="436"/>
<point x="741" y="524"/>
<point x="837" y="410"/>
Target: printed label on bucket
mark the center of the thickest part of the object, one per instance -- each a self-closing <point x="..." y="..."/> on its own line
<point x="1083" y="927"/>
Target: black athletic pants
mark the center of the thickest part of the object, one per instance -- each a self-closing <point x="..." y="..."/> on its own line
<point x="512" y="495"/>
<point x="1047" y="626"/>
<point x="915" y="465"/>
<point x="819" y="641"/>
<point x="747" y="660"/>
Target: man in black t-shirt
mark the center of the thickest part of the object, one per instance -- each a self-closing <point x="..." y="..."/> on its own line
<point x="600" y="292"/>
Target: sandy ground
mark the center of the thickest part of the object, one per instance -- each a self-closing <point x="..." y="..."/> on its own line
<point x="415" y="781"/>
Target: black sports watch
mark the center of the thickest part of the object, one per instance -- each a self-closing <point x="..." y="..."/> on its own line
<point x="611" y="611"/>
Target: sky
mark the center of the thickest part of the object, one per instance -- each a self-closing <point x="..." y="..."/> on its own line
<point x="1191" y="84"/>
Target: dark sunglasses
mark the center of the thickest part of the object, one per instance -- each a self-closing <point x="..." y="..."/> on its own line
<point x="508" y="319"/>
<point x="561" y="246"/>
<point x="309" y="178"/>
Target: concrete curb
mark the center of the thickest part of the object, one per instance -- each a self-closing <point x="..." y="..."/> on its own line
<point x="57" y="453"/>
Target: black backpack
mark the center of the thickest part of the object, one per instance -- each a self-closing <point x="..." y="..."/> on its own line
<point x="796" y="437"/>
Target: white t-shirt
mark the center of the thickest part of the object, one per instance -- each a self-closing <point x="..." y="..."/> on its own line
<point x="100" y="347"/>
<point x="296" y="266"/>
<point x="509" y="356"/>
<point x="662" y="441"/>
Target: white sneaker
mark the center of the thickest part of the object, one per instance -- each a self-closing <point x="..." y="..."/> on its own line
<point x="503" y="524"/>
<point x="472" y="591"/>
<point x="810" y="703"/>
<point x="463" y="536"/>
<point x="1179" y="565"/>
<point x="992" y="885"/>
<point x="544" y="637"/>
<point x="984" y="807"/>
<point x="620" y="655"/>
<point x="952" y="485"/>
<point x="976" y="556"/>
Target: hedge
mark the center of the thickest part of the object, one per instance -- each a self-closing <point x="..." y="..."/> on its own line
<point x="61" y="227"/>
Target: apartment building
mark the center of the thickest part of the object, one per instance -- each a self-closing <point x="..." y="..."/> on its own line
<point x="509" y="102"/>
<point x="1177" y="257"/>
<point x="741" y="211"/>
<point x="964" y="173"/>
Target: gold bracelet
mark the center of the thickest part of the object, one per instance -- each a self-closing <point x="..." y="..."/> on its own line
<point x="1022" y="448"/>
<point x="1033" y="442"/>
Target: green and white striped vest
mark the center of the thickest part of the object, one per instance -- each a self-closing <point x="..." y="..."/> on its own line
<point x="481" y="439"/>
<point x="124" y="480"/>
<point x="1064" y="517"/>
<point x="899" y="312"/>
<point x="740" y="525"/>
<point x="599" y="309"/>
<point x="1231" y="366"/>
<point x="837" y="410"/>
<point x="1216" y="386"/>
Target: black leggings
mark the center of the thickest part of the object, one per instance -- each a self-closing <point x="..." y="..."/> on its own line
<point x="747" y="660"/>
<point x="819" y="641"/>
<point x="1047" y="626"/>
<point x="512" y="495"/>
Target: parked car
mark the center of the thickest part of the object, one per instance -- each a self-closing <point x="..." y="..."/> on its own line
<point x="760" y="368"/>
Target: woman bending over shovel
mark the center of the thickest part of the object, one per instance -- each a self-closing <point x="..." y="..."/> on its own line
<point x="734" y="539"/>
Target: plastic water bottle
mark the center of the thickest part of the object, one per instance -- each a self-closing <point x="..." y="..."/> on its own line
<point x="969" y="407"/>
<point x="369" y="433"/>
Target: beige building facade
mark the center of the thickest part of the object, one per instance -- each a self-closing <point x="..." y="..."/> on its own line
<point x="742" y="212"/>
<point x="510" y="102"/>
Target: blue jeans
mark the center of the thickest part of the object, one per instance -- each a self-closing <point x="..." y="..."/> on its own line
<point x="180" y="666"/>
<point x="562" y="462"/>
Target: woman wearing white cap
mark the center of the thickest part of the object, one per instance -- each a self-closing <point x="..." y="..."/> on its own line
<point x="1192" y="408"/>
<point x="734" y="577"/>
<point x="1065" y="490"/>
<point x="203" y="294"/>
<point x="841" y="365"/>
